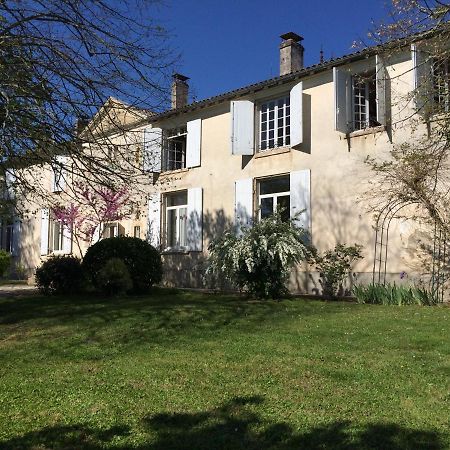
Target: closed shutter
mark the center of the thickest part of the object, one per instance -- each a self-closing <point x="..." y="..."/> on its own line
<point x="342" y="100"/>
<point x="243" y="210"/>
<point x="296" y="105"/>
<point x="67" y="240"/>
<point x="154" y="220"/>
<point x="194" y="229"/>
<point x="193" y="142"/>
<point x="300" y="187"/>
<point x="152" y="150"/>
<point x="59" y="174"/>
<point x="44" y="231"/>
<point x="382" y="99"/>
<point x="242" y="127"/>
<point x="16" y="237"/>
<point x="422" y="79"/>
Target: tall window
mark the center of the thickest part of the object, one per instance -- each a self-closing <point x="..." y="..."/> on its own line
<point x="174" y="154"/>
<point x="55" y="236"/>
<point x="274" y="124"/>
<point x="274" y="195"/>
<point x="364" y="101"/>
<point x="176" y="219"/>
<point x="441" y="84"/>
<point x="6" y="235"/>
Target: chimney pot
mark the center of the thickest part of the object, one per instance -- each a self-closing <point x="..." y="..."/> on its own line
<point x="291" y="53"/>
<point x="180" y="91"/>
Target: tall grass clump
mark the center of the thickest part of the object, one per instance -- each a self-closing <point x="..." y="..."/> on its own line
<point x="391" y="294"/>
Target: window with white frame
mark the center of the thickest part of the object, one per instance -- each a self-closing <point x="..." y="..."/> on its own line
<point x="55" y="236"/>
<point x="274" y="195"/>
<point x="441" y="84"/>
<point x="113" y="229"/>
<point x="364" y="101"/>
<point x="6" y="235"/>
<point x="176" y="219"/>
<point x="274" y="123"/>
<point x="174" y="151"/>
<point x="137" y="231"/>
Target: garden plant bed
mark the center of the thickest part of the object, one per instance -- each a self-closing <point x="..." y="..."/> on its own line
<point x="184" y="370"/>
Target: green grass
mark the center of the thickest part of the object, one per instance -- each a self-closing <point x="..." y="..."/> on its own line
<point x="191" y="371"/>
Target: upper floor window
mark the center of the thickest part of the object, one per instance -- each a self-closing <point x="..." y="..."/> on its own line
<point x="441" y="84"/>
<point x="364" y="101"/>
<point x="274" y="195"/>
<point x="174" y="150"/>
<point x="274" y="124"/>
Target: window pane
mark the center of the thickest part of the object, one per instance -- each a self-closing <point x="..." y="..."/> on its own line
<point x="266" y="207"/>
<point x="283" y="207"/>
<point x="172" y="228"/>
<point x="182" y="225"/>
<point x="178" y="198"/>
<point x="274" y="185"/>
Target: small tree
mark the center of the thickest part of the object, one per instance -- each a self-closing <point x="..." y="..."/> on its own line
<point x="260" y="260"/>
<point x="95" y="207"/>
<point x="334" y="265"/>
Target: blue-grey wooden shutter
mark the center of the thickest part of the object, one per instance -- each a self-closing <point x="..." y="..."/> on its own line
<point x="154" y="220"/>
<point x="342" y="100"/>
<point x="193" y="142"/>
<point x="45" y="219"/>
<point x="243" y="204"/>
<point x="381" y="90"/>
<point x="300" y="188"/>
<point x="422" y="63"/>
<point x="242" y="127"/>
<point x="152" y="149"/>
<point x="194" y="228"/>
<point x="296" y="122"/>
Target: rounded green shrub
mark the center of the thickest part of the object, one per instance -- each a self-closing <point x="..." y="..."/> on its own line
<point x="114" y="278"/>
<point x="60" y="275"/>
<point x="5" y="261"/>
<point x="141" y="259"/>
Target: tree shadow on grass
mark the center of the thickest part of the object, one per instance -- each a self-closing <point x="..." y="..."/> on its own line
<point x="234" y="425"/>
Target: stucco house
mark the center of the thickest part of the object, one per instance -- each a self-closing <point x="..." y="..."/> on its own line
<point x="296" y="141"/>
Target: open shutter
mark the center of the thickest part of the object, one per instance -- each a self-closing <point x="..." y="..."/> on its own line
<point x="342" y="100"/>
<point x="193" y="142"/>
<point x="44" y="231"/>
<point x="59" y="174"/>
<point x="152" y="149"/>
<point x="154" y="220"/>
<point x="296" y="105"/>
<point x="67" y="240"/>
<point x="300" y="187"/>
<point x="16" y="237"/>
<point x="195" y="219"/>
<point x="381" y="87"/>
<point x="243" y="204"/>
<point x="10" y="179"/>
<point x="422" y="62"/>
<point x="96" y="235"/>
<point x="242" y="127"/>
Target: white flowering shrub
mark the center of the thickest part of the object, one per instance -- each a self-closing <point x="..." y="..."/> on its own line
<point x="260" y="260"/>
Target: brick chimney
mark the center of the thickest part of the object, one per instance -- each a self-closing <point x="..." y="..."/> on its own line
<point x="291" y="53"/>
<point x="180" y="91"/>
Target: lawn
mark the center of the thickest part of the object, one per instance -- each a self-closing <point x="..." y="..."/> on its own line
<point x="192" y="371"/>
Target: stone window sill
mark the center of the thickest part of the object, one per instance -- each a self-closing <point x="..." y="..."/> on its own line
<point x="366" y="131"/>
<point x="273" y="151"/>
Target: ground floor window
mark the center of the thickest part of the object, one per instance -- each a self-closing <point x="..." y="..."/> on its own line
<point x="137" y="231"/>
<point x="55" y="236"/>
<point x="274" y="195"/>
<point x="176" y="219"/>
<point x="6" y="235"/>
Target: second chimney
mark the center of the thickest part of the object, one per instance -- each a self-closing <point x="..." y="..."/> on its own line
<point x="180" y="91"/>
<point x="291" y="53"/>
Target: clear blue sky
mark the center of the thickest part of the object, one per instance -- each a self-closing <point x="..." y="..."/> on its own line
<point x="229" y="44"/>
